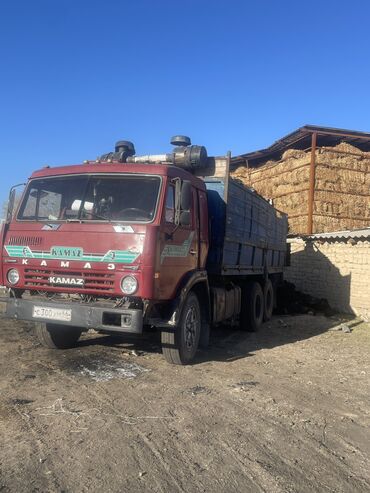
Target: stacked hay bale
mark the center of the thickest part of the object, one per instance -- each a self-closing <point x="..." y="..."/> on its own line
<point x="342" y="187"/>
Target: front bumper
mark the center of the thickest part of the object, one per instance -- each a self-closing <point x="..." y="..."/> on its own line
<point x="82" y="315"/>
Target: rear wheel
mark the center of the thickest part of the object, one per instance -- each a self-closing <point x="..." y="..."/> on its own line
<point x="56" y="336"/>
<point x="180" y="345"/>
<point x="251" y="314"/>
<point x="268" y="295"/>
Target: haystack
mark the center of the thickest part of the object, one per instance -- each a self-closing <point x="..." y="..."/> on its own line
<point x="342" y="187"/>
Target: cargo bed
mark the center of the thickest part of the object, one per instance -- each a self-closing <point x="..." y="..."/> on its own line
<point x="248" y="235"/>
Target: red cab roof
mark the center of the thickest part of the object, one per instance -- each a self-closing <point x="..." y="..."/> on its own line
<point x="93" y="168"/>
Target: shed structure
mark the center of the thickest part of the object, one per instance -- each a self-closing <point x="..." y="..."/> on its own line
<point x="319" y="176"/>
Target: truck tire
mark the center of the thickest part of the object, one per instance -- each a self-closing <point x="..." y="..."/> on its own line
<point x="55" y="336"/>
<point x="252" y="307"/>
<point x="204" y="335"/>
<point x="180" y="345"/>
<point x="268" y="296"/>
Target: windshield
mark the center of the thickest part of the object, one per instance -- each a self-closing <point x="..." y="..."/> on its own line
<point x="91" y="198"/>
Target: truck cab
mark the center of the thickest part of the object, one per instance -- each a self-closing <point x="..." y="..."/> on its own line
<point x="108" y="245"/>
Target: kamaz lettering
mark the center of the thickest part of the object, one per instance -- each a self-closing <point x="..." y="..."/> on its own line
<point x="73" y="281"/>
<point x="63" y="252"/>
<point x="63" y="263"/>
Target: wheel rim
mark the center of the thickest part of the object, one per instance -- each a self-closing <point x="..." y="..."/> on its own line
<point x="191" y="327"/>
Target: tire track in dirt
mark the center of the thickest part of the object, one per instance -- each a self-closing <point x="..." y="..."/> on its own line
<point x="315" y="453"/>
<point x="98" y="393"/>
<point x="165" y="474"/>
<point x="38" y="451"/>
<point x="314" y="443"/>
<point x="315" y="448"/>
<point x="325" y="425"/>
<point x="178" y="459"/>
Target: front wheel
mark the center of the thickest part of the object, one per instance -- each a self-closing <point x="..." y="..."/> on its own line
<point x="55" y="336"/>
<point x="180" y="345"/>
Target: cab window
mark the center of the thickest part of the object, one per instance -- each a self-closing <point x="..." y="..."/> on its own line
<point x="170" y="205"/>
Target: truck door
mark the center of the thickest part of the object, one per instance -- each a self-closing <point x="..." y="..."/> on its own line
<point x="179" y="245"/>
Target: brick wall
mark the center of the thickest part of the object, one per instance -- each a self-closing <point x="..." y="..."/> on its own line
<point x="336" y="270"/>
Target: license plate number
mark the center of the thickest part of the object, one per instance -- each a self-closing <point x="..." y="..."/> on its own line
<point x="62" y="314"/>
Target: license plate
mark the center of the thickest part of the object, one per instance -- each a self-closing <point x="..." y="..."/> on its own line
<point x="62" y="314"/>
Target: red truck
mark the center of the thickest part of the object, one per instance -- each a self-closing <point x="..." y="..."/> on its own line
<point x="125" y="242"/>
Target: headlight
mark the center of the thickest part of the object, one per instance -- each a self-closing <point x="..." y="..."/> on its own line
<point x="13" y="276"/>
<point x="129" y="285"/>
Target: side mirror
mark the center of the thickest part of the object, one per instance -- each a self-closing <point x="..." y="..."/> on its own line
<point x="11" y="201"/>
<point x="185" y="218"/>
<point x="185" y="200"/>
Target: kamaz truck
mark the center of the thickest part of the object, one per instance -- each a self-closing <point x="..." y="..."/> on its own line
<point x="127" y="241"/>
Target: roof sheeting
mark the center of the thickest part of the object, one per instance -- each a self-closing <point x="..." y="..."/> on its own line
<point x="354" y="234"/>
<point x="301" y="139"/>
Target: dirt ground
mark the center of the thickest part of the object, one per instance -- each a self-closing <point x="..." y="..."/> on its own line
<point x="284" y="410"/>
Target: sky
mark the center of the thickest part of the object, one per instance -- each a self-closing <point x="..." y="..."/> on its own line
<point x="78" y="75"/>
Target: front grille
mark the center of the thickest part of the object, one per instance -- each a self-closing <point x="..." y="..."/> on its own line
<point x="97" y="281"/>
<point x="25" y="240"/>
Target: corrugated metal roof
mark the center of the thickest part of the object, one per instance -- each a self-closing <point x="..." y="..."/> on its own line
<point x="355" y="234"/>
<point x="301" y="139"/>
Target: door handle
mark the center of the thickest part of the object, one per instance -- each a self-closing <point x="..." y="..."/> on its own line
<point x="193" y="252"/>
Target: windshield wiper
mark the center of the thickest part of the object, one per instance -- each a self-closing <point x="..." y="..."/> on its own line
<point x="97" y="216"/>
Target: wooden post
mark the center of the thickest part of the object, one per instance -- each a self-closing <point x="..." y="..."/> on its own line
<point x="311" y="191"/>
<point x="227" y="176"/>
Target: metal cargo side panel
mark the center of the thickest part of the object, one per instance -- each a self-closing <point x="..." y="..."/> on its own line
<point x="246" y="229"/>
<point x="247" y="233"/>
